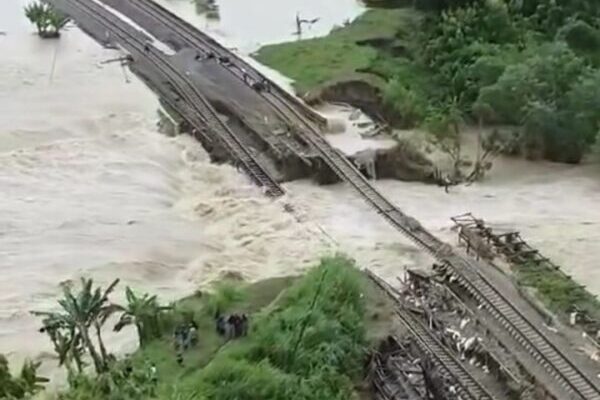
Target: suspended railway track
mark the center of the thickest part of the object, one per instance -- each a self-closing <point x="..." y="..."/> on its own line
<point x="197" y="110"/>
<point x="568" y="381"/>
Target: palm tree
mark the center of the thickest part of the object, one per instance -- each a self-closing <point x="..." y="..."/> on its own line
<point x="143" y="312"/>
<point x="90" y="307"/>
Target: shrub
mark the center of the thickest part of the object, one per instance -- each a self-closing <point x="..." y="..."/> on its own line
<point x="47" y="20"/>
<point x="310" y="346"/>
<point x="27" y="383"/>
<point x="225" y="294"/>
<point x="406" y="102"/>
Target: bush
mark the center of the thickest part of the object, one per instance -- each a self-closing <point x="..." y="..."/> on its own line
<point x="226" y="293"/>
<point x="581" y="36"/>
<point x="405" y="101"/>
<point x="310" y="346"/>
<point x="47" y="20"/>
<point x="22" y="386"/>
<point x="554" y="96"/>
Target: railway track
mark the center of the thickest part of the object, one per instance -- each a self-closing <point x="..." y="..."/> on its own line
<point x="199" y="111"/>
<point x="279" y="100"/>
<point x="197" y="39"/>
<point x="468" y="387"/>
<point x="566" y="376"/>
<point x="545" y="352"/>
<point x="571" y="380"/>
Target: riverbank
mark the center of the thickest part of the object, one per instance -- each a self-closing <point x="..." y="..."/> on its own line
<point x="308" y="337"/>
<point x="442" y="69"/>
<point x="351" y="64"/>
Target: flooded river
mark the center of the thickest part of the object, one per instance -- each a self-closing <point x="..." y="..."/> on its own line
<point x="88" y="187"/>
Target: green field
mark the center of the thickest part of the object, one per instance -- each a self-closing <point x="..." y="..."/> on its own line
<point x="350" y="52"/>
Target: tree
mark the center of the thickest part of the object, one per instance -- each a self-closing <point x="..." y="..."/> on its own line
<point x="444" y="123"/>
<point x="554" y="96"/>
<point x="27" y="383"/>
<point x="67" y="342"/>
<point x="47" y="20"/>
<point x="88" y="308"/>
<point x="440" y="5"/>
<point x="404" y="101"/>
<point x="143" y="312"/>
<point x="459" y="37"/>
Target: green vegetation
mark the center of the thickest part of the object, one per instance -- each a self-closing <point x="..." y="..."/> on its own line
<point x="559" y="292"/>
<point x="339" y="56"/>
<point x="532" y="64"/>
<point x="308" y="340"/>
<point x="209" y="8"/>
<point x="144" y="313"/>
<point x="27" y="383"/>
<point x="70" y="328"/>
<point x="47" y="20"/>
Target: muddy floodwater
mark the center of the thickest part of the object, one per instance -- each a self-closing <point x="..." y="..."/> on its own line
<point x="248" y="25"/>
<point x="88" y="187"/>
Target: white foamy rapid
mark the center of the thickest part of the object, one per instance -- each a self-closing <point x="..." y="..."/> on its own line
<point x="88" y="187"/>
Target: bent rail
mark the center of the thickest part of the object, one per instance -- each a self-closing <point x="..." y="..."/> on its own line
<point x="537" y="345"/>
<point x="200" y="112"/>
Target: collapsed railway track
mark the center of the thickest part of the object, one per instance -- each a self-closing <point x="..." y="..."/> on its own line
<point x="196" y="108"/>
<point x="568" y="381"/>
<point x="288" y="107"/>
<point x="467" y="385"/>
<point x="567" y="378"/>
<point x="197" y="39"/>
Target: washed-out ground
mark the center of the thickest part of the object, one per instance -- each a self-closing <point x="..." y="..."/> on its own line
<point x="553" y="205"/>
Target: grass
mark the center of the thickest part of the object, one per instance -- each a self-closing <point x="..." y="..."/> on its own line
<point x="231" y="297"/>
<point x="356" y="51"/>
<point x="557" y="291"/>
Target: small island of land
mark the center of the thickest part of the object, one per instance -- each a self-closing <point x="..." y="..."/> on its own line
<point x="307" y="337"/>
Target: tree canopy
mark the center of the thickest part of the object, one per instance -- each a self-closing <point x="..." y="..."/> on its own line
<point x="530" y="63"/>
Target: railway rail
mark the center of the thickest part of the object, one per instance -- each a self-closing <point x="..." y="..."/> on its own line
<point x="194" y="37"/>
<point x="468" y="387"/>
<point x="558" y="365"/>
<point x="566" y="376"/>
<point x="199" y="111"/>
<point x="277" y="98"/>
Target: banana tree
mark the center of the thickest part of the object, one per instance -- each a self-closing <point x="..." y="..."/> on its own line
<point x="47" y="20"/>
<point x="88" y="308"/>
<point x="29" y="378"/>
<point x="65" y="338"/>
<point x="143" y="312"/>
<point x="27" y="383"/>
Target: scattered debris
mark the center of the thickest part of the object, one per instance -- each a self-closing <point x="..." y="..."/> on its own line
<point x="477" y="236"/>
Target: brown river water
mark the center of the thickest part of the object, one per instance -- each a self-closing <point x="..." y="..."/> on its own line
<point x="88" y="187"/>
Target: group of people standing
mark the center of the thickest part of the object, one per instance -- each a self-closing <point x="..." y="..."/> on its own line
<point x="232" y="326"/>
<point x="186" y="336"/>
<point x="229" y="326"/>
